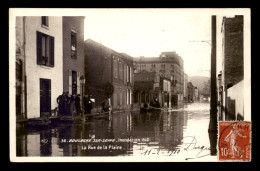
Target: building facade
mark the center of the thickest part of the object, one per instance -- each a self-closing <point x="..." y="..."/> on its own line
<point x="106" y="68"/>
<point x="191" y="92"/>
<point x="144" y="87"/>
<point x="168" y="65"/>
<point x="231" y="78"/>
<point x="196" y="94"/>
<point x="73" y="54"/>
<point x="39" y="64"/>
<point x="185" y="88"/>
<point x="149" y="87"/>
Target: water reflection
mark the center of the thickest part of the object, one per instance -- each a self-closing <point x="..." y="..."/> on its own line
<point x="133" y="131"/>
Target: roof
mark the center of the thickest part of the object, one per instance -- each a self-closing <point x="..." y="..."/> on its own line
<point x="96" y="44"/>
<point x="165" y="57"/>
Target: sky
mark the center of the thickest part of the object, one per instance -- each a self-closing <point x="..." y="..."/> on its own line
<point x="148" y="32"/>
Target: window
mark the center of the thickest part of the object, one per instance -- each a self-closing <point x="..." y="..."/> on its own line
<point x="120" y="71"/>
<point x="115" y="100"/>
<point x="152" y="67"/>
<point x="163" y="66"/>
<point x="73" y="45"/>
<point x="128" y="96"/>
<point x="143" y="67"/>
<point x="129" y="74"/>
<point x="125" y="73"/>
<point x="45" y="21"/>
<point x="121" y="99"/>
<point x="45" y="49"/>
<point x="115" y="68"/>
<point x="172" y="65"/>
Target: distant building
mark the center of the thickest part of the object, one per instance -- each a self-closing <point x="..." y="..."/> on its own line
<point x="196" y="94"/>
<point x="168" y="65"/>
<point x="144" y="87"/>
<point x="231" y="78"/>
<point x="106" y="68"/>
<point x="39" y="65"/>
<point x="149" y="87"/>
<point x="185" y="88"/>
<point x="191" y="92"/>
<point x="206" y="89"/>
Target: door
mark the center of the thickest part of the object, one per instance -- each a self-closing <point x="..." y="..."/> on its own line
<point x="74" y="82"/>
<point x="45" y="95"/>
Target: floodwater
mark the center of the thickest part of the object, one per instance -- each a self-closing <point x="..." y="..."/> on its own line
<point x="181" y="133"/>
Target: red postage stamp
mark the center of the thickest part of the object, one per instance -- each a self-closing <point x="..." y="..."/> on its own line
<point x="234" y="141"/>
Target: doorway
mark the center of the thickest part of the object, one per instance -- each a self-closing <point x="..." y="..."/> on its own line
<point x="45" y="96"/>
<point x="74" y="82"/>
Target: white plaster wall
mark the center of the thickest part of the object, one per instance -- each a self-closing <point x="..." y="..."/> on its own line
<point x="19" y="31"/>
<point x="236" y="93"/>
<point x="34" y="72"/>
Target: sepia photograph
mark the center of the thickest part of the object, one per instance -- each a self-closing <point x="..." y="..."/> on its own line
<point x="130" y="84"/>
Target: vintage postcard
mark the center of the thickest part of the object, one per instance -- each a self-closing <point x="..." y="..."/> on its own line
<point x="130" y="85"/>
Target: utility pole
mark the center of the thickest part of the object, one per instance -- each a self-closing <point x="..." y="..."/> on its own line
<point x="212" y="130"/>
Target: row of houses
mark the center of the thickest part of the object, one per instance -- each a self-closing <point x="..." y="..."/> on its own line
<point x="52" y="57"/>
<point x="161" y="79"/>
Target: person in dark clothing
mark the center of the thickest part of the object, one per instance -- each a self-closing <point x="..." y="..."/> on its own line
<point x="87" y="104"/>
<point x="62" y="104"/>
<point x="67" y="104"/>
<point x="156" y="102"/>
<point x="77" y="104"/>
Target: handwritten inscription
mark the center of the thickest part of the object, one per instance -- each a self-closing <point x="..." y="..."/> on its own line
<point x="190" y="144"/>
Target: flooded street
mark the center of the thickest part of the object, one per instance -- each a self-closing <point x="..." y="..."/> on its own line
<point x="181" y="133"/>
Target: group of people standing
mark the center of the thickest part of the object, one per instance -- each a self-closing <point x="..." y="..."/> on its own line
<point x="71" y="105"/>
<point x="68" y="105"/>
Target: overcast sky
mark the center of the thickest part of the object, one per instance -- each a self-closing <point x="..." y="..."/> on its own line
<point x="148" y="32"/>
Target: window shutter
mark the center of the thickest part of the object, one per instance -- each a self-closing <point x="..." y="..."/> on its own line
<point x="130" y="94"/>
<point x="127" y="97"/>
<point x="70" y="82"/>
<point x="127" y="75"/>
<point x="130" y="75"/>
<point x="39" y="47"/>
<point x="52" y="52"/>
<point x="78" y="83"/>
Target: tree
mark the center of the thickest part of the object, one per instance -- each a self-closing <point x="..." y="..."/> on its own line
<point x="108" y="89"/>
